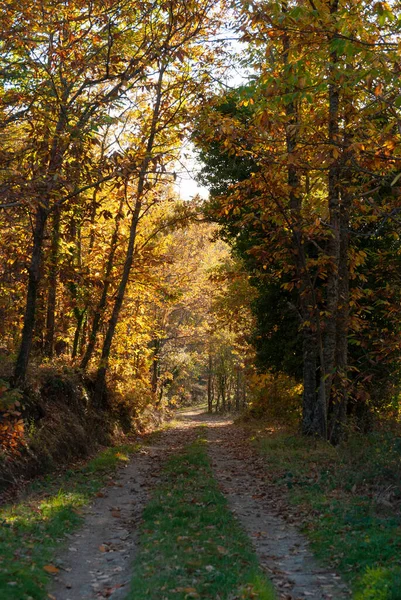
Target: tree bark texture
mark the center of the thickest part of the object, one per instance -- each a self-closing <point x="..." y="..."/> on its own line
<point x="32" y="293"/>
<point x="52" y="284"/>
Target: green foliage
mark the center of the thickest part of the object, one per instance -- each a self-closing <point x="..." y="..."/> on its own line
<point x="276" y="338"/>
<point x="380" y="584"/>
<point x="191" y="545"/>
<point x="221" y="168"/>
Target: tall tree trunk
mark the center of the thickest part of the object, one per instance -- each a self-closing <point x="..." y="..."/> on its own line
<point x="333" y="243"/>
<point x="52" y="284"/>
<point x="97" y="317"/>
<point x="210" y="383"/>
<point x="155" y="365"/>
<point x="32" y="293"/>
<point x="56" y="155"/>
<point x="79" y="316"/>
<point x="340" y="401"/>
<point x="309" y="378"/>
<point x="313" y="418"/>
<point x="237" y="389"/>
<point x="223" y="393"/>
<point x="101" y="373"/>
<point x="100" y="382"/>
<point x="338" y="415"/>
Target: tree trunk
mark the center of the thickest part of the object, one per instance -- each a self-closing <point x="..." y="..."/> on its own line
<point x="155" y="365"/>
<point x="32" y="293"/>
<point x="314" y="420"/>
<point x="310" y="383"/>
<point x="79" y="315"/>
<point x="210" y="384"/>
<point x="237" y="390"/>
<point x="56" y="155"/>
<point x="97" y="317"/>
<point x="333" y="244"/>
<point x="340" y="401"/>
<point x="100" y="382"/>
<point x="52" y="284"/>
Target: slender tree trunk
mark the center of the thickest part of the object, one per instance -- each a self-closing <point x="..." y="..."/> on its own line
<point x="52" y="284"/>
<point x="32" y="293"/>
<point x="333" y="244"/>
<point x="56" y="156"/>
<point x="223" y="393"/>
<point x="210" y="383"/>
<point x="79" y="315"/>
<point x="97" y="317"/>
<point x="237" y="390"/>
<point x="340" y="401"/>
<point x="155" y="365"/>
<point x="313" y="418"/>
<point x="309" y="377"/>
<point x="100" y="382"/>
<point x="82" y="340"/>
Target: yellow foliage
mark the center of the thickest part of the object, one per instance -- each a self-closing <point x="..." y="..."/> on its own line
<point x="276" y="396"/>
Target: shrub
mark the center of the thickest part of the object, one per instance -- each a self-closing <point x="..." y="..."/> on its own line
<point x="276" y="396"/>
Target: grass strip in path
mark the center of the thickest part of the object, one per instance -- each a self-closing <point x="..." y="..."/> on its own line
<point x="343" y="493"/>
<point x="191" y="546"/>
<point x="31" y="530"/>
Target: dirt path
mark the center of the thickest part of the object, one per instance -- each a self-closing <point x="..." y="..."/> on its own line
<point x="283" y="552"/>
<point x="98" y="560"/>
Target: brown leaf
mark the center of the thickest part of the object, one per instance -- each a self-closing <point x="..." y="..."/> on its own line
<point x="185" y="590"/>
<point x="51" y="569"/>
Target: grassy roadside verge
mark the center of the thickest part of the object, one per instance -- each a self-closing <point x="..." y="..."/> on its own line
<point x="191" y="545"/>
<point x="349" y="499"/>
<point x="32" y="529"/>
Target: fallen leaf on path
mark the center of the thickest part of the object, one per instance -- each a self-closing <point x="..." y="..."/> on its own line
<point x="51" y="569"/>
<point x="186" y="590"/>
<point x="116" y="514"/>
<point x="103" y="548"/>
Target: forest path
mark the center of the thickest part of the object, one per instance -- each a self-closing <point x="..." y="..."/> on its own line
<point x="282" y="550"/>
<point x="98" y="560"/>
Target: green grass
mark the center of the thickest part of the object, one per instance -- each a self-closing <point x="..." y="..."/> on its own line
<point x="191" y="546"/>
<point x="339" y="490"/>
<point x="32" y="529"/>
